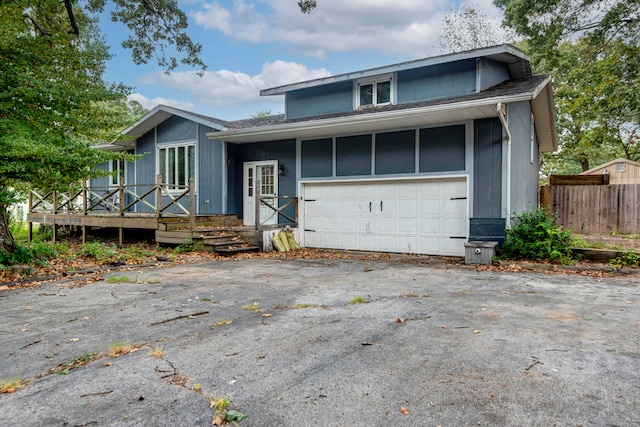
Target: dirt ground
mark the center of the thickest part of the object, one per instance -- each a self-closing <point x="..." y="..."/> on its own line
<point x="324" y="341"/>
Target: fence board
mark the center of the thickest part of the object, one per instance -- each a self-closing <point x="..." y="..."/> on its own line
<point x="597" y="208"/>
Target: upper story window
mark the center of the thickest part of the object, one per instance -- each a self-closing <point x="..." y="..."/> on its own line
<point x="177" y="164"/>
<point x="374" y="92"/>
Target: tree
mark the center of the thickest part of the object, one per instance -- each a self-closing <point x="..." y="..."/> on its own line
<point x="591" y="49"/>
<point x="548" y="23"/>
<point x="469" y="28"/>
<point x="54" y="102"/>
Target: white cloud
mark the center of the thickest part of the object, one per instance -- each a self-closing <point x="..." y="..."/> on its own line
<point x="150" y="103"/>
<point x="228" y="89"/>
<point x="408" y="28"/>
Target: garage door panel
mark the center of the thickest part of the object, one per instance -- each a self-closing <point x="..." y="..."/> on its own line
<point x="394" y="216"/>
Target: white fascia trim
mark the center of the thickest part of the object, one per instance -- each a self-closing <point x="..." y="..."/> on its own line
<point x="322" y="124"/>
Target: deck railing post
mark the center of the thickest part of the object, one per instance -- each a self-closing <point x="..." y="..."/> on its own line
<point x="85" y="202"/>
<point x="256" y="204"/>
<point x="192" y="204"/>
<point x="121" y="196"/>
<point x="29" y="223"/>
<point x="54" y="234"/>
<point x="158" y="194"/>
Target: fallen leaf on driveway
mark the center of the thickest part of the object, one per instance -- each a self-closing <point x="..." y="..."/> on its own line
<point x="477" y="331"/>
<point x="367" y="343"/>
<point x="399" y="320"/>
<point x="404" y="410"/>
<point x="74" y="339"/>
<point x="266" y="315"/>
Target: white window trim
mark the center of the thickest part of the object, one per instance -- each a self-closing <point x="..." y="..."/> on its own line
<point x="176" y="145"/>
<point x="374" y="81"/>
<point x="122" y="166"/>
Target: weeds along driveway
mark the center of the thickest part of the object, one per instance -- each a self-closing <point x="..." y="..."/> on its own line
<point x="430" y="345"/>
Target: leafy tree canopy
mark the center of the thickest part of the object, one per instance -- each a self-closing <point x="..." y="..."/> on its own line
<point x="54" y="102"/>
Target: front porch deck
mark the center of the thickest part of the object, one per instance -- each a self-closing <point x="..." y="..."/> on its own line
<point x="165" y="210"/>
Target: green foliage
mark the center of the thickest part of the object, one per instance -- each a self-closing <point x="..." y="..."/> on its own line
<point x="591" y="47"/>
<point x="99" y="251"/>
<point x="536" y="236"/>
<point x="33" y="253"/>
<point x="188" y="247"/>
<point x="627" y="259"/>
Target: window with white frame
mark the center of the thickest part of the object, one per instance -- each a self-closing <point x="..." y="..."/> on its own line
<point x="116" y="167"/>
<point x="374" y="92"/>
<point x="177" y="164"/>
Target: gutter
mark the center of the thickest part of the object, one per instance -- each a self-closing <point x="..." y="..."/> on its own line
<point x="503" y="120"/>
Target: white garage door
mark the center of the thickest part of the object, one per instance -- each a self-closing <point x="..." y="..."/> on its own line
<point x="417" y="216"/>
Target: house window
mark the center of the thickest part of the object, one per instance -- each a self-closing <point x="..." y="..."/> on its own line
<point x="177" y="164"/>
<point x="116" y="167"/>
<point x="374" y="92"/>
<point x="620" y="167"/>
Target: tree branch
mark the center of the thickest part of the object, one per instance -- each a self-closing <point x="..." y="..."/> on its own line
<point x="72" y="17"/>
<point x="38" y="27"/>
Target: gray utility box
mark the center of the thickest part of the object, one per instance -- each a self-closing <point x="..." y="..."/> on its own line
<point x="477" y="252"/>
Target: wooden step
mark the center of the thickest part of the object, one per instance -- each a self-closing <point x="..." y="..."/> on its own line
<point x="222" y="243"/>
<point x="228" y="251"/>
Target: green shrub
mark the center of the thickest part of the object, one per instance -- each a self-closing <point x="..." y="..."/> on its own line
<point x="32" y="253"/>
<point x="536" y="236"/>
<point x="98" y="251"/>
<point x="627" y="259"/>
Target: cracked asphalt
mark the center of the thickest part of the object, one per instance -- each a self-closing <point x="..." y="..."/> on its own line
<point x="451" y="345"/>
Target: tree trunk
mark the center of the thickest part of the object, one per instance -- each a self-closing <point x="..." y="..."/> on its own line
<point x="7" y="243"/>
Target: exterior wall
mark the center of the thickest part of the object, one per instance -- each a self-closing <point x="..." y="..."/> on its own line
<point x="487" y="220"/>
<point x="491" y="73"/>
<point x="422" y="84"/>
<point x="176" y="129"/>
<point x="524" y="159"/>
<point x="210" y="169"/>
<point x="433" y="150"/>
<point x="437" y="81"/>
<point x="631" y="174"/>
<point x="320" y="100"/>
<point x="283" y="151"/>
<point x="145" y="168"/>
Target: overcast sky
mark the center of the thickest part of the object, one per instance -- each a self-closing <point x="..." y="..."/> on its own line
<point x="249" y="45"/>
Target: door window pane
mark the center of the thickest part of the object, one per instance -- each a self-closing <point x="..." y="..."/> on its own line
<point x="171" y="167"/>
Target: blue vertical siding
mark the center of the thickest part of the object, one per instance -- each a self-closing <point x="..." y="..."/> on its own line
<point x="282" y="151"/>
<point x="491" y="73"/>
<point x="210" y="170"/>
<point x="437" y="81"/>
<point x="177" y="129"/>
<point x="316" y="158"/>
<point x="395" y="152"/>
<point x="320" y="100"/>
<point x="146" y="169"/>
<point x="442" y="149"/>
<point x="524" y="173"/>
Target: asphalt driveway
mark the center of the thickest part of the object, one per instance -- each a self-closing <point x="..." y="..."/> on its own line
<point x="324" y="342"/>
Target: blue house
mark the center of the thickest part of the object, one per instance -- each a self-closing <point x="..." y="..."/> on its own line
<point x="417" y="157"/>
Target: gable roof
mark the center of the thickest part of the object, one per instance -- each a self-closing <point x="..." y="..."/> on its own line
<point x="536" y="89"/>
<point x="608" y="164"/>
<point x="517" y="61"/>
<point x="158" y="115"/>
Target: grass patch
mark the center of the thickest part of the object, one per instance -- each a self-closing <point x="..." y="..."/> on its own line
<point x="253" y="307"/>
<point x="358" y="300"/>
<point x="75" y="363"/>
<point x="10" y="384"/>
<point x="302" y="305"/>
<point x="117" y="349"/>
<point x="118" y="279"/>
<point x="157" y="352"/>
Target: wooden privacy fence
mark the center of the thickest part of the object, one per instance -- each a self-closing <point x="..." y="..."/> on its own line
<point x="595" y="208"/>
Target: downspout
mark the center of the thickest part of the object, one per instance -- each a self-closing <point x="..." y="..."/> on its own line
<point x="503" y="120"/>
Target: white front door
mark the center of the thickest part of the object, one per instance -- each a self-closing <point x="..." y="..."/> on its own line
<point x="260" y="178"/>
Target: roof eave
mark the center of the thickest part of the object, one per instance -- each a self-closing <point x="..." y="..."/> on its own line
<point x="500" y="53"/>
